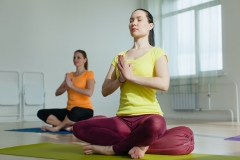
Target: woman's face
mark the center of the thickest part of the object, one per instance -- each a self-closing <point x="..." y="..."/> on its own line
<point x="139" y="25"/>
<point x="78" y="59"/>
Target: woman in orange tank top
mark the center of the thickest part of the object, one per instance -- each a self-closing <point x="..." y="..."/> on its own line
<point x="79" y="86"/>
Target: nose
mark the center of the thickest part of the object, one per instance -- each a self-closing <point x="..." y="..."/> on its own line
<point x="134" y="23"/>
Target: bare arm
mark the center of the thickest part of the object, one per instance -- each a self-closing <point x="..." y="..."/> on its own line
<point x="160" y="82"/>
<point x="61" y="89"/>
<point x="111" y="82"/>
<point x="87" y="91"/>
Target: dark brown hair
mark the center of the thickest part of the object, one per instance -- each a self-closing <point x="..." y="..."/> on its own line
<point x="150" y="20"/>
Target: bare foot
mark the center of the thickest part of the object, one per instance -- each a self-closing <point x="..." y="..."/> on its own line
<point x="137" y="152"/>
<point x="69" y="129"/>
<point x="43" y="128"/>
<point x="105" y="150"/>
<point x="48" y="128"/>
<point x="81" y="143"/>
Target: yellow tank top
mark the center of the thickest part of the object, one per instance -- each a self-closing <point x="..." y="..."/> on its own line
<point x="136" y="99"/>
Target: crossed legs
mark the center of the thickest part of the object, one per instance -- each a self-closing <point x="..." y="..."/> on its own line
<point x="62" y="118"/>
<point x="58" y="125"/>
<point x="120" y="135"/>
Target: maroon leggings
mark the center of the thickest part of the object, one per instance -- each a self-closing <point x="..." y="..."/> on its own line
<point x="123" y="133"/>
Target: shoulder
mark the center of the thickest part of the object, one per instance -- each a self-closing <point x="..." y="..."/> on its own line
<point x="89" y="73"/>
<point x="158" y="50"/>
<point x="120" y="53"/>
<point x="115" y="59"/>
<point x="71" y="74"/>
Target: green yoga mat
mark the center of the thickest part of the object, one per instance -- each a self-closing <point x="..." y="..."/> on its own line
<point x="75" y="152"/>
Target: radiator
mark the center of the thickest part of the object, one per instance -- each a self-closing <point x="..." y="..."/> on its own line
<point x="184" y="101"/>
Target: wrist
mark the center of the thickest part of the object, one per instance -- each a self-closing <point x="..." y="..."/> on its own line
<point x="132" y="78"/>
<point x="119" y="80"/>
<point x="71" y="87"/>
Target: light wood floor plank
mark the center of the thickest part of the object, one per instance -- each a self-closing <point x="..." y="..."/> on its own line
<point x="209" y="136"/>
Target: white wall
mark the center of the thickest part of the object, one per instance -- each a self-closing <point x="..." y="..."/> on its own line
<point x="225" y="98"/>
<point x="41" y="35"/>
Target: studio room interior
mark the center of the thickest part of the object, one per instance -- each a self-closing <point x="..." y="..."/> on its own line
<point x="139" y="79"/>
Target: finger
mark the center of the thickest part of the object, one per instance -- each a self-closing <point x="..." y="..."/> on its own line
<point x="121" y="75"/>
<point x="120" y="72"/>
<point x="121" y="60"/>
<point x="119" y="66"/>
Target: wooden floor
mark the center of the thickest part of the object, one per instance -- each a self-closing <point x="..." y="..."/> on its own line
<point x="209" y="136"/>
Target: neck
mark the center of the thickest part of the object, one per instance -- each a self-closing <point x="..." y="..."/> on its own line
<point x="141" y="43"/>
<point x="80" y="70"/>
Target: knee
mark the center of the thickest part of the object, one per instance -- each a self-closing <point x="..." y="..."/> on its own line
<point x="98" y="117"/>
<point x="176" y="141"/>
<point x="40" y="113"/>
<point x="74" y="110"/>
<point x="77" y="114"/>
<point x="78" y="127"/>
<point x="156" y="124"/>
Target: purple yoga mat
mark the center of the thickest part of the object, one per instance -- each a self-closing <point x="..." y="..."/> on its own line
<point x="235" y="138"/>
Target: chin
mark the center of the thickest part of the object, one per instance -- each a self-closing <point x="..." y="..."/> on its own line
<point x="135" y="35"/>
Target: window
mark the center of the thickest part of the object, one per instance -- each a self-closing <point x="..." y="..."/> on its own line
<point x="192" y="36"/>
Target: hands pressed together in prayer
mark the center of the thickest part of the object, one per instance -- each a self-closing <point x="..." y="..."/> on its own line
<point x="125" y="69"/>
<point x="68" y="81"/>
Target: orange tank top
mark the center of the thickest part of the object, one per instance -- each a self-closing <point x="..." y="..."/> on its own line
<point x="76" y="99"/>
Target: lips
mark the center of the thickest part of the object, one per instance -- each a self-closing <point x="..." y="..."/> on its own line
<point x="134" y="29"/>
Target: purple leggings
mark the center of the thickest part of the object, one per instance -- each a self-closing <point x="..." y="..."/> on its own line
<point x="123" y="133"/>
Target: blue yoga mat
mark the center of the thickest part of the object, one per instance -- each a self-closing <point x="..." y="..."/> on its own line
<point x="38" y="130"/>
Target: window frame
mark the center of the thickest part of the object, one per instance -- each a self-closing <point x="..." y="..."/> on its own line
<point x="196" y="9"/>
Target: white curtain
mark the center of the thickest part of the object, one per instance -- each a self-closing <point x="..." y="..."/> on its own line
<point x="191" y="35"/>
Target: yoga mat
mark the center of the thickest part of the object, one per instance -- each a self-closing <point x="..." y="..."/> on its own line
<point x="75" y="152"/>
<point x="38" y="130"/>
<point x="235" y="138"/>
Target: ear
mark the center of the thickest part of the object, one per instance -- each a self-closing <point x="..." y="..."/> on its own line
<point x="151" y="25"/>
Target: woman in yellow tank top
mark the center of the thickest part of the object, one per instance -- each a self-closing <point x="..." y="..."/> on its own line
<point x="80" y="87"/>
<point x="139" y="126"/>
